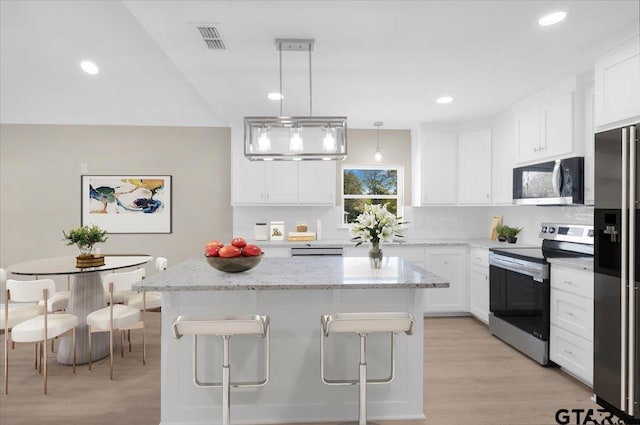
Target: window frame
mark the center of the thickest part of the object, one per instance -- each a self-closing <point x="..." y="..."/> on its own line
<point x="399" y="197"/>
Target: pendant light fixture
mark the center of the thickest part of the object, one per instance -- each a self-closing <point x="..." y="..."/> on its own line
<point x="378" y="155"/>
<point x="295" y="138"/>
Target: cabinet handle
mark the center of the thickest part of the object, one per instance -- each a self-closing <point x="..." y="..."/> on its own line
<point x="535" y="149"/>
<point x="487" y="196"/>
<point x="568" y="282"/>
<point x="569" y="352"/>
<point x="568" y="313"/>
<point x="446" y="262"/>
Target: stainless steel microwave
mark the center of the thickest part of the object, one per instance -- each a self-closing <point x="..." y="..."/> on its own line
<point x="559" y="182"/>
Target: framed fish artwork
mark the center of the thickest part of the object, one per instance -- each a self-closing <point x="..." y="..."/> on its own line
<point x="127" y="203"/>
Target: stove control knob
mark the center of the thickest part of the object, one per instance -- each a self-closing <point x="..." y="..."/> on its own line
<point x="552" y="229"/>
<point x="590" y="233"/>
<point x="544" y="229"/>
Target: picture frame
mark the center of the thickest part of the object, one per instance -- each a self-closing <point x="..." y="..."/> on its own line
<point x="127" y="203"/>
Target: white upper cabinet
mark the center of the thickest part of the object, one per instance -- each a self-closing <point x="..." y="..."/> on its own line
<point x="474" y="149"/>
<point x="281" y="182"/>
<point x="545" y="130"/>
<point x="284" y="183"/>
<point x="317" y="182"/>
<point x="439" y="153"/>
<point x="617" y="85"/>
<point x="503" y="144"/>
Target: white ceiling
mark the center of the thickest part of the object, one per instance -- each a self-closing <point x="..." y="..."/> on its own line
<point x="373" y="60"/>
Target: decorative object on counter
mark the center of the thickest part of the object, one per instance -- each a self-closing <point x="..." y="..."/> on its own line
<point x="507" y="233"/>
<point x="127" y="203"/>
<point x="84" y="238"/>
<point x="501" y="232"/>
<point x="233" y="258"/>
<point x="301" y="226"/>
<point x="512" y="233"/>
<point x="495" y="221"/>
<point x="260" y="232"/>
<point x="318" y="229"/>
<point x="376" y="224"/>
<point x="276" y="231"/>
<point x="301" y="236"/>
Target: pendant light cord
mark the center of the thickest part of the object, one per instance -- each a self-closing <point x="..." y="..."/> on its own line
<point x="281" y="95"/>
<point x="310" y="89"/>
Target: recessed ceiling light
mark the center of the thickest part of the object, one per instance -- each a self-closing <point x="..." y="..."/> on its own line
<point x="552" y="18"/>
<point x="444" y="99"/>
<point x="275" y="96"/>
<point x="89" y="67"/>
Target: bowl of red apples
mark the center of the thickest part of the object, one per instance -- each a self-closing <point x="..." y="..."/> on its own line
<point x="236" y="257"/>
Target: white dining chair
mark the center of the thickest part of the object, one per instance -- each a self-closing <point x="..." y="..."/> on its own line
<point x="60" y="300"/>
<point x="118" y="316"/>
<point x="37" y="329"/>
<point x="13" y="313"/>
<point x="154" y="299"/>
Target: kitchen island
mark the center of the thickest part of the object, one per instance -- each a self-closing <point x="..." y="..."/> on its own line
<point x="294" y="293"/>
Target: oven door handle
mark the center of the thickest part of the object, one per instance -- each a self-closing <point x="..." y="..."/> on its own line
<point x="538" y="272"/>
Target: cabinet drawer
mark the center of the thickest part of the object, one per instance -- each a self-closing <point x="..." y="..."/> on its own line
<point x="479" y="256"/>
<point x="572" y="313"/>
<point x="572" y="353"/>
<point x="576" y="281"/>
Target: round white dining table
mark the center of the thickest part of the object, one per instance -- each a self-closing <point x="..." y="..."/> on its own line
<point x="87" y="295"/>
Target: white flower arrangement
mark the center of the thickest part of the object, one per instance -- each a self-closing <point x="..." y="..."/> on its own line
<point x="376" y="224"/>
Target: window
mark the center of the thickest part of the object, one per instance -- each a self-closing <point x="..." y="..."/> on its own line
<point x="371" y="185"/>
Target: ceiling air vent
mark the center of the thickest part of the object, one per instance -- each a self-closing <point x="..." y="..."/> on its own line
<point x="212" y="37"/>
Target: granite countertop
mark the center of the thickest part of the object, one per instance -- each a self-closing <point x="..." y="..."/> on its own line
<point x="294" y="273"/>
<point x="582" y="263"/>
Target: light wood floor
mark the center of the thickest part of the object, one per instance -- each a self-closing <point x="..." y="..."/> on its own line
<point x="470" y="377"/>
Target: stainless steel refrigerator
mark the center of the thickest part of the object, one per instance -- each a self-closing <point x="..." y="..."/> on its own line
<point x="616" y="375"/>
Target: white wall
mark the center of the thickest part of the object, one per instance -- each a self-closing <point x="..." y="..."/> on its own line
<point x="40" y="185"/>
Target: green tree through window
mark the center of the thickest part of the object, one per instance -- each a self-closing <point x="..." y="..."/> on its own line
<point x="366" y="186"/>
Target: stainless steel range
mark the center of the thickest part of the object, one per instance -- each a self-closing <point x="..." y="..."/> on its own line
<point x="519" y="287"/>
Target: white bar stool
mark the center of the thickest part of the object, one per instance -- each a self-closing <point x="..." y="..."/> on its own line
<point x="226" y="327"/>
<point x="363" y="324"/>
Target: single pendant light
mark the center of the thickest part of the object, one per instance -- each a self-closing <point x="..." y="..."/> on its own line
<point x="378" y="155"/>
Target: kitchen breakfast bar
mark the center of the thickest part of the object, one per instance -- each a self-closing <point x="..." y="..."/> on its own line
<point x="294" y="292"/>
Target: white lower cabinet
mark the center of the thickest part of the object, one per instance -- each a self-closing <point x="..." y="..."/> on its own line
<point x="450" y="263"/>
<point x="571" y="334"/>
<point x="479" y="284"/>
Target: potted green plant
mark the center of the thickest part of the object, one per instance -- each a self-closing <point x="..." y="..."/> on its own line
<point x="501" y="230"/>
<point x="85" y="237"/>
<point x="512" y="233"/>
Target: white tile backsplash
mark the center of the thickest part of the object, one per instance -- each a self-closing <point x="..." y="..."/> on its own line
<point x="447" y="222"/>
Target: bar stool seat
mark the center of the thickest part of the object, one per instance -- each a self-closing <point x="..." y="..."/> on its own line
<point x="363" y="324"/>
<point x="224" y="326"/>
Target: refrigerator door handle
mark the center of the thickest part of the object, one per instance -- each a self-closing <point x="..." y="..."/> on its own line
<point x="631" y="299"/>
<point x="624" y="269"/>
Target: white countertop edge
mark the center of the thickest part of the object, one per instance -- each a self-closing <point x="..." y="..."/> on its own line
<point x="574" y="263"/>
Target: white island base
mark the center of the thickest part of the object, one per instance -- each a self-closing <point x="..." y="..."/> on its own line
<point x="294" y="392"/>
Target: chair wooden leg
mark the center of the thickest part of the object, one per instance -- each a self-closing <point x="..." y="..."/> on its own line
<point x="129" y="338"/>
<point x="6" y="363"/>
<point x="35" y="357"/>
<point x="44" y="352"/>
<point x="111" y="354"/>
<point x="41" y="349"/>
<point x="121" y="343"/>
<point x="52" y="340"/>
<point x="89" y="329"/>
<point x="144" y="348"/>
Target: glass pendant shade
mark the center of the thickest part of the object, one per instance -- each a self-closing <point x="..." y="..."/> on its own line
<point x="378" y="155"/>
<point x="264" y="144"/>
<point x="295" y="143"/>
<point x="329" y="142"/>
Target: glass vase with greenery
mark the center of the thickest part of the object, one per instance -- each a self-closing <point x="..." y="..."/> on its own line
<point x="85" y="237"/>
